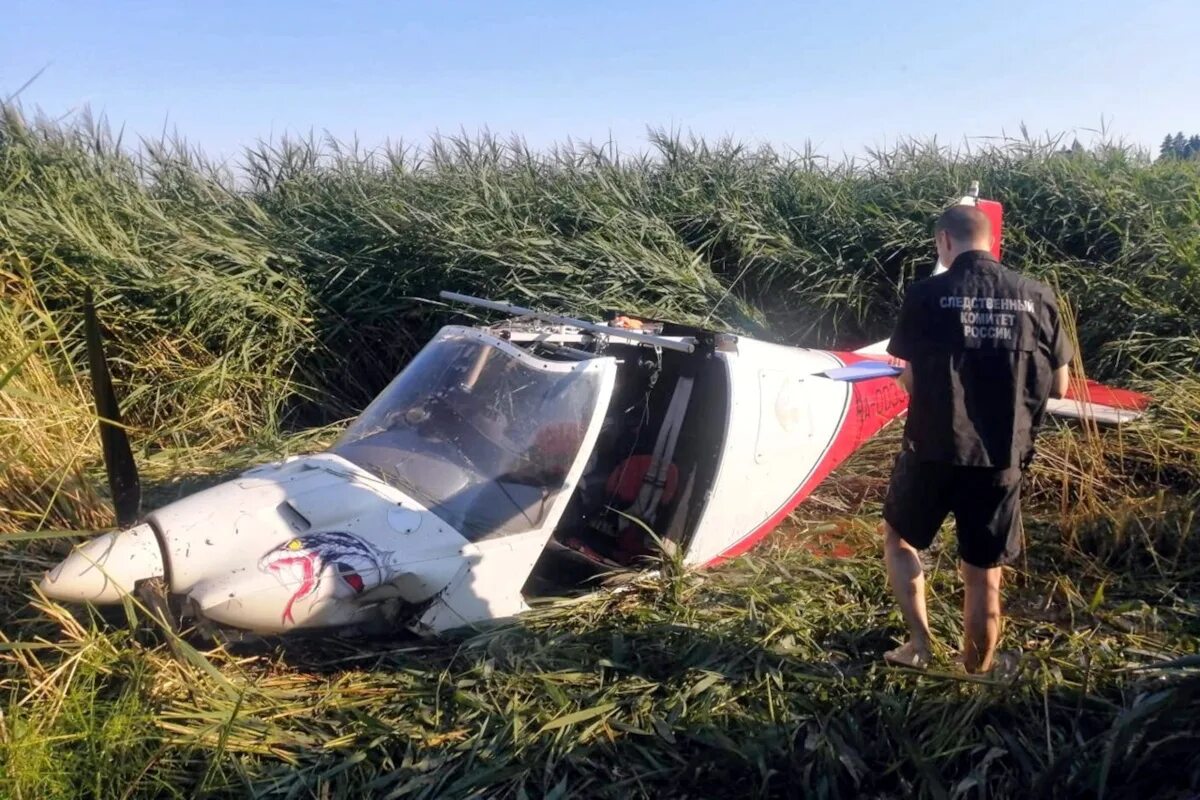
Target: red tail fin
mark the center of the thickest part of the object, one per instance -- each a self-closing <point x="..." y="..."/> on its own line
<point x="995" y="215"/>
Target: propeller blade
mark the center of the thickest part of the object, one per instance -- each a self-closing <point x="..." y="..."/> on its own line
<point x="118" y="458"/>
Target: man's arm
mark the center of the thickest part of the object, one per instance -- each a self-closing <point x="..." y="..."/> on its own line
<point x="1060" y="350"/>
<point x="903" y="343"/>
<point x="907" y="332"/>
<point x="1062" y="382"/>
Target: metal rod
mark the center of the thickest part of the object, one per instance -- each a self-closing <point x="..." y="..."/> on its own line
<point x="682" y="345"/>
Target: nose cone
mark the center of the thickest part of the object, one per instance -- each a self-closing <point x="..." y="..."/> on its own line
<point x="106" y="568"/>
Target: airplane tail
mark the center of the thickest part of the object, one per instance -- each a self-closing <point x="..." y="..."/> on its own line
<point x="1086" y="399"/>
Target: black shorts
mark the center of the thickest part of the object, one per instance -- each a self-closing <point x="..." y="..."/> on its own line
<point x="986" y="504"/>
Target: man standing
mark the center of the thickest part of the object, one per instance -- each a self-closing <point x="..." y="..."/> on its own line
<point x="985" y="351"/>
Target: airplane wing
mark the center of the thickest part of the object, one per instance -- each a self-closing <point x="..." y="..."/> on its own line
<point x="1085" y="400"/>
<point x="862" y="371"/>
<point x="1092" y="401"/>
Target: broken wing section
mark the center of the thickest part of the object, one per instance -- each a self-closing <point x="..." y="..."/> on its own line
<point x="1094" y="402"/>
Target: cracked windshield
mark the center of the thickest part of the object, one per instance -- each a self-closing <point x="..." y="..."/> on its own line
<point x="483" y="438"/>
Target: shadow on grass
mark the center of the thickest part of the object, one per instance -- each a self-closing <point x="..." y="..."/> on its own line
<point x="764" y="681"/>
<point x="168" y="490"/>
<point x="668" y="710"/>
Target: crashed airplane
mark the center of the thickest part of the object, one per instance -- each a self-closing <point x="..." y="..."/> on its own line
<point x="504" y="459"/>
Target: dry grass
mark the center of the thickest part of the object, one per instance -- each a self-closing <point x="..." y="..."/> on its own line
<point x="753" y="680"/>
<point x="46" y="428"/>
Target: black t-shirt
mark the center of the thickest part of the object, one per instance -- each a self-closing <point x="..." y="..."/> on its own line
<point x="983" y="343"/>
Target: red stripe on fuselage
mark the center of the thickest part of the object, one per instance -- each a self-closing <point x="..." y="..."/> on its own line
<point x="873" y="404"/>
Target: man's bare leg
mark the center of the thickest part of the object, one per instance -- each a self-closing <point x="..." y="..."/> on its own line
<point x="908" y="585"/>
<point x="981" y="616"/>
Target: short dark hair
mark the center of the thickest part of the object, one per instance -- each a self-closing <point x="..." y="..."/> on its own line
<point x="965" y="224"/>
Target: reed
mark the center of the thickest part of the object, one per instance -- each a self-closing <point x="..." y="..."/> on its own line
<point x="250" y="309"/>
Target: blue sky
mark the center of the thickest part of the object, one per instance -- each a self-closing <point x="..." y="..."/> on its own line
<point x="842" y="75"/>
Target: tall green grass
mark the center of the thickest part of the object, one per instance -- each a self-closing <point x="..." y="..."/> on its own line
<point x="243" y="302"/>
<point x="313" y="266"/>
<point x="287" y="289"/>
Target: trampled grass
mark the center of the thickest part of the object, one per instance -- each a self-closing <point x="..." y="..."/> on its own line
<point x="242" y="310"/>
<point x="763" y="678"/>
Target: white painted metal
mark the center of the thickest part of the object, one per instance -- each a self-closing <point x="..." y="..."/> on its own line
<point x="104" y="569"/>
<point x="219" y="545"/>
<point x="1091" y="412"/>
<point x="781" y="421"/>
<point x="317" y="541"/>
<point x="876" y="349"/>
<point x="551" y="337"/>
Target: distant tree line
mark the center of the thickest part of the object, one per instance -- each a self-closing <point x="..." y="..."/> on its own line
<point x="1179" y="147"/>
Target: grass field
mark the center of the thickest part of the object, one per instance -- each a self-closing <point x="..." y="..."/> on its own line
<point x="250" y="312"/>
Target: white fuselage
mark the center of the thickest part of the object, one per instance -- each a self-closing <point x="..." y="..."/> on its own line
<point x="782" y="419"/>
<point x="320" y="541"/>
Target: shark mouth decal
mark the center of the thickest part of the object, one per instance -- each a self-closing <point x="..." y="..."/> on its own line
<point x="303" y="562"/>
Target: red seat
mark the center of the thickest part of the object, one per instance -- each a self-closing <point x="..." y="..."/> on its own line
<point x="626" y="480"/>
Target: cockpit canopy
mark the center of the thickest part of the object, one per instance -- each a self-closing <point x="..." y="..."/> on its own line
<point x="481" y="431"/>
